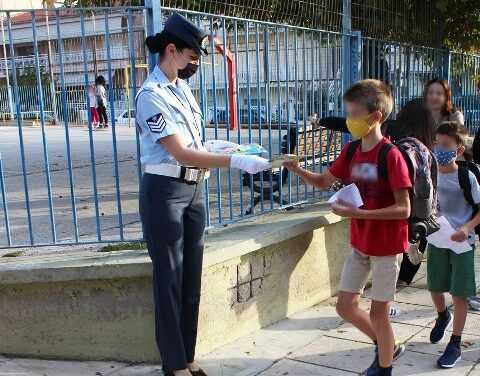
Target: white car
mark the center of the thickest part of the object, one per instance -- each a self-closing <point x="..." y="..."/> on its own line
<point x="126" y="117"/>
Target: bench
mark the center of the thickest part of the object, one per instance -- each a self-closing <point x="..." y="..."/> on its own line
<point x="313" y="144"/>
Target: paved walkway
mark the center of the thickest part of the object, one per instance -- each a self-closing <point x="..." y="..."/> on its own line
<point x="314" y="342"/>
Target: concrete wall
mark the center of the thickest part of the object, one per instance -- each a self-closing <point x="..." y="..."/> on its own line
<point x="99" y="306"/>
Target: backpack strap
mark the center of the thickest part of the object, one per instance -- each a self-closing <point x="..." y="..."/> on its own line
<point x="382" y="160"/>
<point x="464" y="180"/>
<point x="352" y="148"/>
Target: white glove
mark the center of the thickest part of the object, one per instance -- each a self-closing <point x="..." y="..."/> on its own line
<point x="250" y="163"/>
<point x="414" y="255"/>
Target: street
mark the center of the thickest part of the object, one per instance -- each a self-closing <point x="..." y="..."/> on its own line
<point x="83" y="187"/>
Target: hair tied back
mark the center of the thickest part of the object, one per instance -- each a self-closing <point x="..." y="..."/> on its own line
<point x="153" y="43"/>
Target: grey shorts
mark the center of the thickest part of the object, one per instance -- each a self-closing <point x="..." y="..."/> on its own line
<point x="384" y="271"/>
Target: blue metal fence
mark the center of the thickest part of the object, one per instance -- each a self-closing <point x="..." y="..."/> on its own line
<point x="63" y="182"/>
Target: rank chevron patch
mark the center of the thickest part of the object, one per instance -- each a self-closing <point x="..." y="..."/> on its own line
<point x="156" y="123"/>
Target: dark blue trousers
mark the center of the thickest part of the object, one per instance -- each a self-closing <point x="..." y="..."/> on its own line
<point x="173" y="219"/>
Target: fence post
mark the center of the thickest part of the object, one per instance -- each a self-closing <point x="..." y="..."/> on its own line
<point x="346" y="44"/>
<point x="356" y="56"/>
<point x="351" y="53"/>
<point x="448" y="66"/>
<point x="153" y="25"/>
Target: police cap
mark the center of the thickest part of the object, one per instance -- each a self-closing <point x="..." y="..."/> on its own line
<point x="188" y="32"/>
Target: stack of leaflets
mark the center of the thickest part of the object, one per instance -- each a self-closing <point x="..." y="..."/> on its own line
<point x="227" y="147"/>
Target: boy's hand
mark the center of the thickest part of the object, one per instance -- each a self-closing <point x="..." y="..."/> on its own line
<point x="344" y="209"/>
<point x="461" y="235"/>
<point x="291" y="165"/>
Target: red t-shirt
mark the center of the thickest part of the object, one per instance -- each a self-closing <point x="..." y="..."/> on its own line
<point x="375" y="237"/>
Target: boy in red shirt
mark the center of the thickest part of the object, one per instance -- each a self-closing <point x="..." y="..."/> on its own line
<point x="379" y="229"/>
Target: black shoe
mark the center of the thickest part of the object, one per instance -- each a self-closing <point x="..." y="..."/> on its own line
<point x="199" y="372"/>
<point x="441" y="326"/>
<point x="397" y="353"/>
<point x="450" y="357"/>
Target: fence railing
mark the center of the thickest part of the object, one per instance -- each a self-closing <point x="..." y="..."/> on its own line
<point x="69" y="184"/>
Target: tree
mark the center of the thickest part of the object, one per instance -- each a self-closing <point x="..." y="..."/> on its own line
<point x="101" y="3"/>
<point x="461" y="24"/>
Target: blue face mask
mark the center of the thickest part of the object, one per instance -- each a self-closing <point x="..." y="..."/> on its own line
<point x="445" y="156"/>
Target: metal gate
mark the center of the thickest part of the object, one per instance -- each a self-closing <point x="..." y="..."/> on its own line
<point x="63" y="182"/>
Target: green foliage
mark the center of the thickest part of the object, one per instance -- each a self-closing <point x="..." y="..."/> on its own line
<point x="461" y="24"/>
<point x="454" y="24"/>
<point x="101" y="3"/>
<point x="28" y="77"/>
<point x="14" y="254"/>
<point x="124" y="247"/>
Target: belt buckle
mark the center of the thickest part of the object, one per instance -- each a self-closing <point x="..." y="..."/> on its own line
<point x="191" y="175"/>
<point x="201" y="175"/>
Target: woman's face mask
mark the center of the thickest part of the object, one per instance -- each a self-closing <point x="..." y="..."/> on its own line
<point x="445" y="156"/>
<point x="188" y="71"/>
<point x="359" y="127"/>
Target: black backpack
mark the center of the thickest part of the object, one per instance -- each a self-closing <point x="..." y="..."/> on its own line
<point x="423" y="170"/>
<point x="463" y="178"/>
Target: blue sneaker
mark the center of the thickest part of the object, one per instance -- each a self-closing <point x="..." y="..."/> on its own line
<point x="441" y="326"/>
<point x="375" y="372"/>
<point x="374" y="367"/>
<point x="450" y="357"/>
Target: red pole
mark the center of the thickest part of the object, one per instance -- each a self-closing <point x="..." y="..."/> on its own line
<point x="232" y="83"/>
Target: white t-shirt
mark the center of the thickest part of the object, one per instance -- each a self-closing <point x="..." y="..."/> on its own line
<point x="92" y="97"/>
<point x="102" y="93"/>
<point x="451" y="200"/>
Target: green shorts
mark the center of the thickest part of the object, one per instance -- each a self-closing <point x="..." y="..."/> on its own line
<point x="451" y="272"/>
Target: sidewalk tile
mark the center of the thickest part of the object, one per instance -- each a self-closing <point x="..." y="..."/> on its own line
<point x="242" y="365"/>
<point x="420" y="283"/>
<point x="8" y="367"/>
<point x="337" y="353"/>
<point x="63" y="368"/>
<point x="138" y="370"/>
<point x="261" y="349"/>
<point x="402" y="332"/>
<point x="414" y="295"/>
<point x="294" y="368"/>
<point x="413" y="314"/>
<point x="475" y="371"/>
<point x="416" y="364"/>
<point x="421" y="343"/>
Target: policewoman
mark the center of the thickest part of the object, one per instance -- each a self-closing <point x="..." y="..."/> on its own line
<point x="175" y="164"/>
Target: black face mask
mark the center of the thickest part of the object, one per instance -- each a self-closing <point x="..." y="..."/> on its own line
<point x="188" y="71"/>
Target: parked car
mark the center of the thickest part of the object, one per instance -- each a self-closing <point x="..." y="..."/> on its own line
<point x="126" y="117"/>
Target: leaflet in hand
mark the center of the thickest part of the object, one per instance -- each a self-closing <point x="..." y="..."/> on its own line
<point x="227" y="147"/>
<point x="349" y="194"/>
<point x="443" y="238"/>
<point x="278" y="160"/>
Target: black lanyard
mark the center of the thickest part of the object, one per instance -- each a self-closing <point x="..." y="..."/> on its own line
<point x="193" y="114"/>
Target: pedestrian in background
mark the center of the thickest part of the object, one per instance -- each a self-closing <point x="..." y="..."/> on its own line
<point x="92" y="98"/>
<point x="101" y="93"/>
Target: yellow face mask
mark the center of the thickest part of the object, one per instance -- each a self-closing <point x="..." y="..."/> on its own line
<point x="359" y="126"/>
